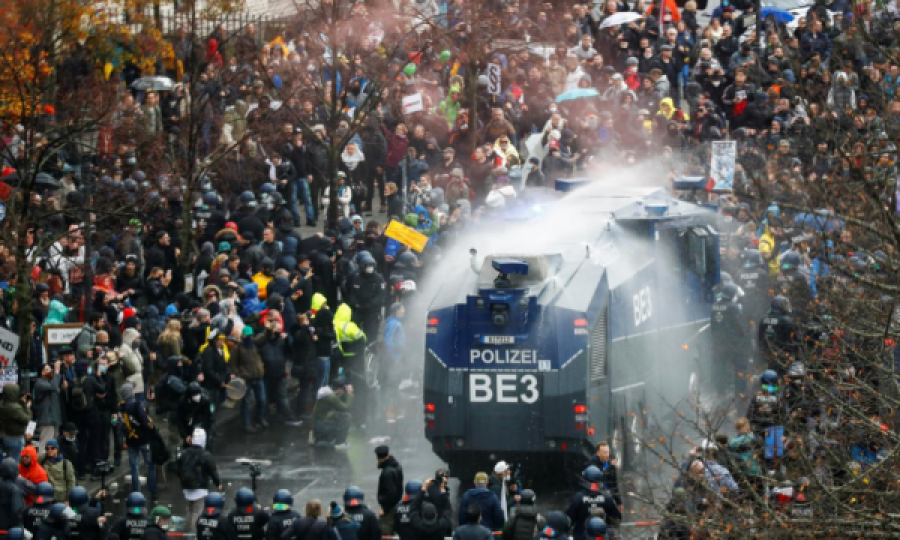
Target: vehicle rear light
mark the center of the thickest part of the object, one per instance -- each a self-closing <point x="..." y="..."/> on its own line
<point x="429" y="407"/>
<point x="433" y="321"/>
<point x="590" y="431"/>
<point x="430" y="425"/>
<point x="579" y="426"/>
<point x="564" y="447"/>
<point x="581" y="322"/>
<point x="580" y="409"/>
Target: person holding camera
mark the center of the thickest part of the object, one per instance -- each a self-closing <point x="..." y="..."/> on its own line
<point x="331" y="415"/>
<point x="390" y="488"/>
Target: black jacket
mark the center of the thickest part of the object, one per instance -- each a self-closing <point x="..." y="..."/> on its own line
<point x="523" y="524"/>
<point x="192" y="415"/>
<point x="280" y="522"/>
<point x="610" y="477"/>
<point x="153" y="532"/>
<point x="12" y="499"/>
<point x="208" y="470"/>
<point x="369" y="528"/>
<point x="324" y="326"/>
<point x="367" y="291"/>
<point x="390" y="483"/>
<point x="307" y="528"/>
<point x="274" y="351"/>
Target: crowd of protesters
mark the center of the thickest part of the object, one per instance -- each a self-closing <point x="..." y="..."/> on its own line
<point x="809" y="105"/>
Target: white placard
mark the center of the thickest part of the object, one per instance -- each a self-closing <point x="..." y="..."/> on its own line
<point x="721" y="166"/>
<point x="493" y="75"/>
<point x="61" y="334"/>
<point x="9" y="344"/>
<point x="413" y="104"/>
<point x="9" y="375"/>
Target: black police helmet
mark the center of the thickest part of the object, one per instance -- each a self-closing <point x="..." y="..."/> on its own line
<point x="781" y="304"/>
<point x="353" y="496"/>
<point x="283" y="496"/>
<point x="43" y="493"/>
<point x="78" y="497"/>
<point x="413" y="487"/>
<point x="592" y="474"/>
<point x="595" y="527"/>
<point x="136" y="503"/>
<point x="244" y="498"/>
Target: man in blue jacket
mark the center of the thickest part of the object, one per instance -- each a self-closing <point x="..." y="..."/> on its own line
<point x="491" y="512"/>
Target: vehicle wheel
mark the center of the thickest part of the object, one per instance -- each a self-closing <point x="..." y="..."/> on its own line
<point x="373" y="364"/>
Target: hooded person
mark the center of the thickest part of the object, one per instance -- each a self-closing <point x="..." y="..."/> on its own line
<point x="428" y="524"/>
<point x="248" y="365"/>
<point x="12" y="497"/>
<point x="132" y="361"/>
<point x="522" y="524"/>
<point x="31" y="471"/>
<point x="264" y="277"/>
<point x="492" y="515"/>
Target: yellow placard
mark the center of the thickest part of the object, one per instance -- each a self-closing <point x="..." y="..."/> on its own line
<point x="405" y="235"/>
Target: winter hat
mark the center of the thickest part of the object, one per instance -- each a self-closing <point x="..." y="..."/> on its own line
<point x="632" y="61"/>
<point x="224" y="246"/>
<point x="457" y="172"/>
<point x="410" y="69"/>
<point x="395" y="307"/>
<point x="445" y="56"/>
<point x="501" y="467"/>
<point x="198" y="438"/>
<point x="127" y="391"/>
<point x="336" y="512"/>
<point x="52" y="444"/>
<point x="429" y="513"/>
<point x="495" y="200"/>
<point x="247" y="331"/>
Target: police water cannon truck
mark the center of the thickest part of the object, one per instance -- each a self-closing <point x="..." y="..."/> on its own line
<point x="536" y="356"/>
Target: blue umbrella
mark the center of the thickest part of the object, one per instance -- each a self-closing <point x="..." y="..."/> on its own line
<point x="578" y="93"/>
<point x="782" y="16"/>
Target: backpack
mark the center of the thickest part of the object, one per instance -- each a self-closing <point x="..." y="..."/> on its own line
<point x="78" y="399"/>
<point x="170" y="390"/>
<point x="190" y="470"/>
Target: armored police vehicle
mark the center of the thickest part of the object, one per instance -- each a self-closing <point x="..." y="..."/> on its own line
<point x="538" y="353"/>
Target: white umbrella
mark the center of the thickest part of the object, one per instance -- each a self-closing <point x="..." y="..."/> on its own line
<point x="154" y="82"/>
<point x="616" y="19"/>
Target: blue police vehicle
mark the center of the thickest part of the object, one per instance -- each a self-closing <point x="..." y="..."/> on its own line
<point x="537" y="354"/>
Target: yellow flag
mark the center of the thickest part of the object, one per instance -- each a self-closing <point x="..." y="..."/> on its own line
<point x="407" y="236"/>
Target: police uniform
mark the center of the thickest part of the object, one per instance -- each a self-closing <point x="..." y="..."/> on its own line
<point x="764" y="411"/>
<point x="756" y="284"/>
<point x="777" y="337"/>
<point x="731" y="347"/>
<point x="369" y="528"/>
<point x="586" y="504"/>
<point x="280" y="522"/>
<point x="248" y="526"/>
<point x="213" y="527"/>
<point x="402" y="519"/>
<point x="34" y="516"/>
<point x="130" y="527"/>
<point x="85" y="525"/>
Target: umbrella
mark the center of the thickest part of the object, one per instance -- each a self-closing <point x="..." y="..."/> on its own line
<point x="623" y="17"/>
<point x="578" y="93"/>
<point x="160" y="84"/>
<point x="47" y="181"/>
<point x="782" y="16"/>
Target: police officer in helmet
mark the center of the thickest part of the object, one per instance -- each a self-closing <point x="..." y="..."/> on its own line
<point x="160" y="521"/>
<point x="16" y="533"/>
<point x="135" y="522"/>
<point x="402" y="518"/>
<point x="595" y="528"/>
<point x="87" y="520"/>
<point x="731" y="344"/>
<point x="247" y="520"/>
<point x="592" y="500"/>
<point x="212" y="525"/>
<point x="37" y="513"/>
<point x="765" y="408"/>
<point x="283" y="514"/>
<point x="778" y="334"/>
<point x="792" y="283"/>
<point x="370" y="529"/>
<point x="556" y="528"/>
<point x="754" y="280"/>
<point x="55" y="526"/>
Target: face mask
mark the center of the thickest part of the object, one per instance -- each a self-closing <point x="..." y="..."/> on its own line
<point x="716" y="83"/>
<point x="70" y="439"/>
<point x="102" y="369"/>
<point x="370" y="269"/>
<point x="232" y="68"/>
<point x="303" y="271"/>
<point x="90" y="371"/>
<point x="196" y="399"/>
<point x="552" y="110"/>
